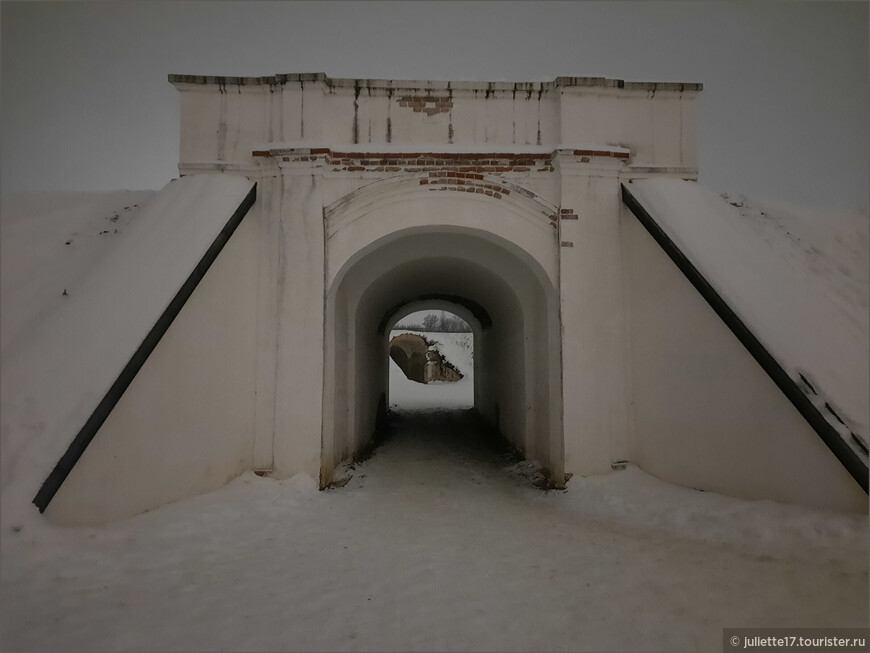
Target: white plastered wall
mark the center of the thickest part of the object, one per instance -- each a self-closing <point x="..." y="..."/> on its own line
<point x="223" y="118"/>
<point x="185" y="424"/>
<point x="594" y="346"/>
<point x="658" y="126"/>
<point x="704" y="412"/>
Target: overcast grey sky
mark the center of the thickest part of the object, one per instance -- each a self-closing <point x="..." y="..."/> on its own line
<point x="785" y="112"/>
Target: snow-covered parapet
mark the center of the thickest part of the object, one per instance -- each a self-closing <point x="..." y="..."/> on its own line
<point x="69" y="365"/>
<point x="225" y="120"/>
<point x="797" y="278"/>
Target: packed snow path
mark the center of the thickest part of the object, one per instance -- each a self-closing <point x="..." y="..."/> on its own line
<point x="435" y="543"/>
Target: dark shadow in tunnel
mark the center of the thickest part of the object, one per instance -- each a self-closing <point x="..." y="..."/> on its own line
<point x="444" y="429"/>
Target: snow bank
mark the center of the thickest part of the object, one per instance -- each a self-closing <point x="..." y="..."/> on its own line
<point x="64" y="364"/>
<point x="432" y="546"/>
<point x="631" y="498"/>
<point x="797" y="277"/>
<point x="48" y="243"/>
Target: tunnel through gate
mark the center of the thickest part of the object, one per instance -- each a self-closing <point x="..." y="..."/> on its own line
<point x="502" y="293"/>
<point x="431" y="357"/>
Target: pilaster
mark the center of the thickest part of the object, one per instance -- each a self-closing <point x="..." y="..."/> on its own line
<point x="594" y="355"/>
<point x="300" y="311"/>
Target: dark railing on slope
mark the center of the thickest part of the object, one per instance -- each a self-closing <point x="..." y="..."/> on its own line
<point x="829" y="435"/>
<point x="75" y="450"/>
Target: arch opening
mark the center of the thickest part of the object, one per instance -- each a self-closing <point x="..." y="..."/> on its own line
<point x="514" y="321"/>
<point x="431" y="359"/>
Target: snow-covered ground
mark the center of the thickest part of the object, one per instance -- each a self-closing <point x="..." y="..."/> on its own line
<point x="434" y="544"/>
<point x="458" y="348"/>
<point x="798" y="277"/>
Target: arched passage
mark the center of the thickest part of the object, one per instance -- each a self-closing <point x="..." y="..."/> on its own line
<point x="475" y="316"/>
<point x="515" y="313"/>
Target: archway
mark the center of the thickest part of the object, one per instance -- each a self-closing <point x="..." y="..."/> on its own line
<point x="505" y="293"/>
<point x="443" y="351"/>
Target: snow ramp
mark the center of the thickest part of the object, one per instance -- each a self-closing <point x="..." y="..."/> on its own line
<point x="791" y="285"/>
<point x="62" y="384"/>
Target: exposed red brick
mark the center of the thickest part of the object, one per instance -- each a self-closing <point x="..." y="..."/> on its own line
<point x="616" y="155"/>
<point x="429" y="105"/>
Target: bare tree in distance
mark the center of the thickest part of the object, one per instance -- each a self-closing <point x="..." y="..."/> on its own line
<point x="433" y="323"/>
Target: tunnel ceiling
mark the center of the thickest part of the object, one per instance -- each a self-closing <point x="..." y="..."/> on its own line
<point x="484" y="293"/>
<point x="491" y="282"/>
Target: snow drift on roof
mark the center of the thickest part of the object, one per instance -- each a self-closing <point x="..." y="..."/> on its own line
<point x="62" y="368"/>
<point x="48" y="244"/>
<point x="797" y="277"/>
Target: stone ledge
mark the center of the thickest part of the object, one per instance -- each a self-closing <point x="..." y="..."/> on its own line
<point x="429" y="85"/>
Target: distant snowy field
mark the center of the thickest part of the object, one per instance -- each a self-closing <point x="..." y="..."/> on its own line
<point x="458" y="348"/>
<point x="426" y="548"/>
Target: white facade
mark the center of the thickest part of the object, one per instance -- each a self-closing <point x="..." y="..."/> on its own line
<point x="500" y="201"/>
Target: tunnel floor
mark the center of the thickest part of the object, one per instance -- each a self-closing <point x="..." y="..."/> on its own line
<point x="439" y="448"/>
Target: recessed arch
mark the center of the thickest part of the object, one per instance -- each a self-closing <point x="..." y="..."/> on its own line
<point x="507" y="195"/>
<point x="495" y="221"/>
<point x="492" y="279"/>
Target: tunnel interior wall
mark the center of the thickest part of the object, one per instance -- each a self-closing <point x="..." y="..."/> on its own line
<point x="185" y="424"/>
<point x="504" y="372"/>
<point x="705" y="414"/>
